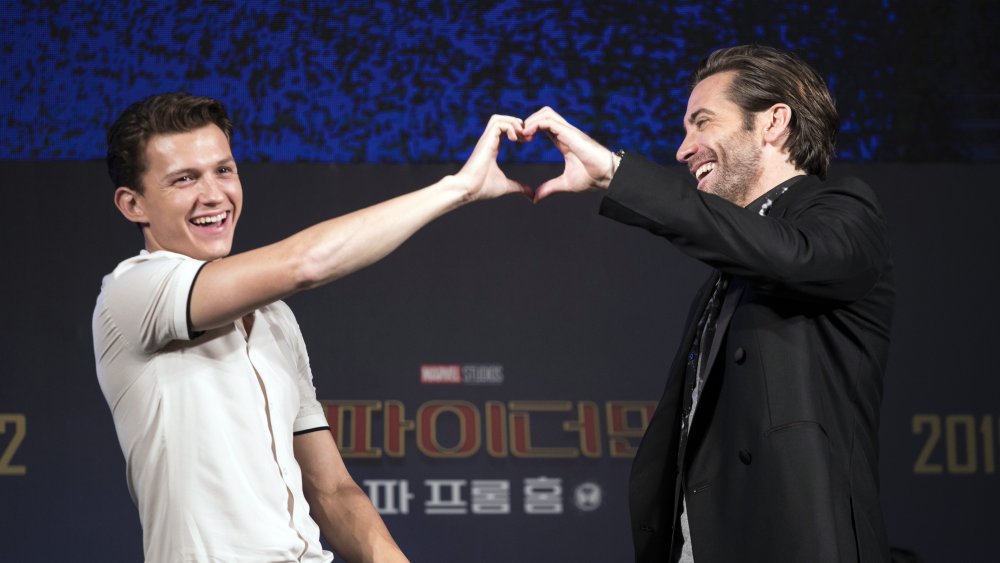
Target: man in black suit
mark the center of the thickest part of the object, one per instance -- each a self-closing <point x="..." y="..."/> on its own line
<point x="764" y="446"/>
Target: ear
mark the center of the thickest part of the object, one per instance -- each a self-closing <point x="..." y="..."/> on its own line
<point x="130" y="203"/>
<point x="777" y="120"/>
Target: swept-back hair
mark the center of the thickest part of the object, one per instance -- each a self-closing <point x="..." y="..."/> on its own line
<point x="765" y="76"/>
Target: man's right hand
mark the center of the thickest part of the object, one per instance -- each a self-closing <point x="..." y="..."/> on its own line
<point x="589" y="165"/>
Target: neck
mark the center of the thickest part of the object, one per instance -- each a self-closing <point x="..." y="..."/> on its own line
<point x="771" y="176"/>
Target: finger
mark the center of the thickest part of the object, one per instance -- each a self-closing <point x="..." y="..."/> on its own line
<point x="545" y="118"/>
<point x="513" y="131"/>
<point x="533" y="125"/>
<point x="510" y="127"/>
<point x="548" y="188"/>
<point x="531" y="130"/>
<point x="554" y="129"/>
<point x="514" y="121"/>
<point x="489" y="141"/>
<point x="544" y="113"/>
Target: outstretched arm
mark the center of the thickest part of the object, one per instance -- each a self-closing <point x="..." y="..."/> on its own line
<point x="233" y="286"/>
<point x="589" y="165"/>
<point x="346" y="517"/>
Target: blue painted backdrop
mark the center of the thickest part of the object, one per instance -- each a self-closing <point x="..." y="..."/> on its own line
<point x="380" y="82"/>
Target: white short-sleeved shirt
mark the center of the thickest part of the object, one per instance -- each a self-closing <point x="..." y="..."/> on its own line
<point x="192" y="424"/>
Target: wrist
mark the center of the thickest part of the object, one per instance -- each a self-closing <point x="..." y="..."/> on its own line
<point x="459" y="191"/>
<point x="615" y="160"/>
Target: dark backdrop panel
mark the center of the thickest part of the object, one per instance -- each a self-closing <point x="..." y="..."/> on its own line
<point x="573" y="309"/>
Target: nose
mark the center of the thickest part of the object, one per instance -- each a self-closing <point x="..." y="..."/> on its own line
<point x="209" y="190"/>
<point x="687" y="149"/>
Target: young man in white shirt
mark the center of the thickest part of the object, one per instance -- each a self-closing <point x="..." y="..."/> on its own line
<point x="204" y="367"/>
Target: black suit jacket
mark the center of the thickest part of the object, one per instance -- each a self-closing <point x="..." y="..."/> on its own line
<point x="781" y="463"/>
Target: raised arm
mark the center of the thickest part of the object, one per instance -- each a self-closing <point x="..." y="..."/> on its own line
<point x="233" y="286"/>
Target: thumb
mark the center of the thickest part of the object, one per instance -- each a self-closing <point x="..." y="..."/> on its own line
<point x="548" y="188"/>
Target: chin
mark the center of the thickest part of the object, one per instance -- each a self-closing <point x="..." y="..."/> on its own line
<point x="216" y="255"/>
<point x="209" y="254"/>
<point x="708" y="188"/>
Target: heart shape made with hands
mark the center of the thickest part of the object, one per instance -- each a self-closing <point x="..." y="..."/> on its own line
<point x="587" y="164"/>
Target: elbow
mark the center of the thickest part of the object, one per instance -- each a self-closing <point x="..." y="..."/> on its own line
<point x="310" y="268"/>
<point x="330" y="492"/>
<point x="316" y="261"/>
<point x="844" y="283"/>
<point x="305" y="274"/>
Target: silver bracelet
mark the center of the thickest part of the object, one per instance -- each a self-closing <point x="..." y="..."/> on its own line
<point x="620" y="153"/>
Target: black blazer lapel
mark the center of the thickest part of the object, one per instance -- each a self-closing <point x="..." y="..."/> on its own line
<point x="733" y="295"/>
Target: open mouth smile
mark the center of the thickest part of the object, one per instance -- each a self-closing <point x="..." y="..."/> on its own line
<point x="704" y="170"/>
<point x="216" y="220"/>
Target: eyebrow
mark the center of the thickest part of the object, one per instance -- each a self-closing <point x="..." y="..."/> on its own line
<point x="698" y="112"/>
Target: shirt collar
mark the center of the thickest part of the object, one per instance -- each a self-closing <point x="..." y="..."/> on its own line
<point x="763" y="204"/>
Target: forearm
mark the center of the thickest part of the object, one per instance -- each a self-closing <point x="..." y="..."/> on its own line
<point x="349" y="521"/>
<point x="229" y="288"/>
<point x="340" y="246"/>
<point x="831" y="243"/>
<point x="234" y="286"/>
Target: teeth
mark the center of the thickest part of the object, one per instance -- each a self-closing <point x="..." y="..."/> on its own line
<point x="210" y="219"/>
<point x="704" y="169"/>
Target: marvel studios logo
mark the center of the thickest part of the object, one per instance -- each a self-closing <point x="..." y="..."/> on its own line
<point x="457" y="374"/>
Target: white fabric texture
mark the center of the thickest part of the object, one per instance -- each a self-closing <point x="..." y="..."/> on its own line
<point x="212" y="479"/>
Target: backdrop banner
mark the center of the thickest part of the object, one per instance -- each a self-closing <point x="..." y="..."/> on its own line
<point x="489" y="381"/>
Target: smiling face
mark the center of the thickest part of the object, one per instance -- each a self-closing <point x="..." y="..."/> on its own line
<point x="191" y="197"/>
<point x="722" y="154"/>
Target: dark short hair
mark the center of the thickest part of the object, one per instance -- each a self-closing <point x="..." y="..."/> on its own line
<point x="162" y="114"/>
<point x="765" y="76"/>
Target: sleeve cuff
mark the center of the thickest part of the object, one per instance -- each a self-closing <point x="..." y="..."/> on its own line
<point x="310" y="430"/>
<point x="192" y="334"/>
<point x="309" y="422"/>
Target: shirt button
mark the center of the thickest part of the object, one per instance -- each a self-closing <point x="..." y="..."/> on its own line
<point x="744" y="456"/>
<point x="740" y="356"/>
